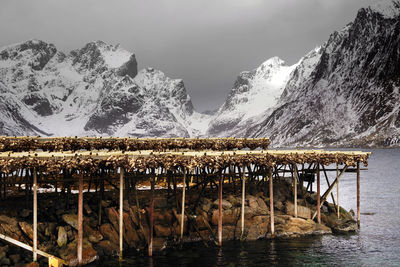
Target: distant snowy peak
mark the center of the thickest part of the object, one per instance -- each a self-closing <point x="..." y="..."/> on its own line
<point x="254" y="92"/>
<point x="100" y="56"/>
<point x="389" y="9"/>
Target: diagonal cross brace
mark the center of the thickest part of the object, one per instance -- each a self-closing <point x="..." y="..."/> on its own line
<point x="329" y="190"/>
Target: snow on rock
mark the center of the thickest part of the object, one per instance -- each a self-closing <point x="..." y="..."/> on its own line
<point x="253" y="93"/>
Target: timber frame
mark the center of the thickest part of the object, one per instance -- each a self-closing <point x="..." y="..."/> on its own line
<point x="169" y="160"/>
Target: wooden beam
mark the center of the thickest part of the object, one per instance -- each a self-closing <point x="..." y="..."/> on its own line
<point x="151" y="217"/>
<point x="337" y="191"/>
<point x="330" y="189"/>
<point x="243" y="200"/>
<point x="295" y="189"/>
<point x="318" y="195"/>
<point x="80" y="220"/>
<point x="327" y="181"/>
<point x="35" y="240"/>
<point x="220" y="210"/>
<point x="183" y="203"/>
<point x="121" y="214"/>
<point x="358" y="194"/>
<point x="271" y="203"/>
<point x="27" y="247"/>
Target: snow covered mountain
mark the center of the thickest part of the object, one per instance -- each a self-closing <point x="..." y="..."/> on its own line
<point x="95" y="90"/>
<point x="347" y="92"/>
<point x="343" y="93"/>
<point x="253" y="93"/>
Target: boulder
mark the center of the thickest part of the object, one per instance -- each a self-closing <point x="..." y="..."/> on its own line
<point x="130" y="235"/>
<point x="71" y="219"/>
<point x="27" y="229"/>
<point x="302" y="211"/>
<point x="68" y="253"/>
<point x="62" y="238"/>
<point x="108" y="232"/>
<point x="225" y="204"/>
<point x="113" y="217"/>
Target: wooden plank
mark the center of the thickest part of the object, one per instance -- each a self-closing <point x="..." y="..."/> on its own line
<point x="243" y="202"/>
<point x="220" y="211"/>
<point x="27" y="247"/>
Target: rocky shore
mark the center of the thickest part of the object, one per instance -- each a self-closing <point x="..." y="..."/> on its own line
<point x="57" y="227"/>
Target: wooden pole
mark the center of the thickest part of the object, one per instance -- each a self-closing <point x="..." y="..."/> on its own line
<point x="34" y="215"/>
<point x="358" y="194"/>
<point x="151" y="218"/>
<point x="318" y="195"/>
<point x="337" y="192"/>
<point x="329" y="190"/>
<point x="243" y="200"/>
<point x="295" y="189"/>
<point x="220" y="211"/>
<point x="271" y="202"/>
<point x="80" y="220"/>
<point x="183" y="203"/>
<point x="121" y="210"/>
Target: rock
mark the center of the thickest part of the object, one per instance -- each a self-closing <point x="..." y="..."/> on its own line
<point x="160" y="203"/>
<point x="15" y="258"/>
<point x="108" y="248"/>
<point x="9" y="227"/>
<point x="225" y="204"/>
<point x="257" y="227"/>
<point x="279" y="205"/>
<point x="25" y="213"/>
<point x="257" y="206"/>
<point x="62" y="238"/>
<point x="71" y="219"/>
<point x="302" y="211"/>
<point x="130" y="235"/>
<point x="68" y="253"/>
<point x="50" y="229"/>
<point x="346" y="227"/>
<point x="159" y="244"/>
<point x="87" y="209"/>
<point x="113" y="217"/>
<point x="229" y="217"/>
<point x="162" y="231"/>
<point x="27" y="229"/>
<point x="134" y="215"/>
<point x="108" y="232"/>
<point x="105" y="203"/>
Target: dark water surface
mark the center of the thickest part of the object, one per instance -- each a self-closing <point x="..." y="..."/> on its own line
<point x="377" y="243"/>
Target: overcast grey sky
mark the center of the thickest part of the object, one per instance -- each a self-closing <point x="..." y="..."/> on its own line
<point x="207" y="43"/>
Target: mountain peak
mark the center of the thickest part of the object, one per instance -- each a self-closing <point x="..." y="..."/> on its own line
<point x="389" y="9"/>
<point x="274" y="62"/>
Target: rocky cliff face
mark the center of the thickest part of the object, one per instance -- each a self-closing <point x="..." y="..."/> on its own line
<point x="95" y="90"/>
<point x="254" y="93"/>
<point x="351" y="96"/>
<point x="345" y="93"/>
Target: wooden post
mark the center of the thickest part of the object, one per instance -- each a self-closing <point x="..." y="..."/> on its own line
<point x="243" y="200"/>
<point x="34" y="215"/>
<point x="337" y="192"/>
<point x="80" y="220"/>
<point x="183" y="203"/>
<point x="121" y="210"/>
<point x="358" y="194"/>
<point x="295" y="189"/>
<point x="151" y="218"/>
<point x="220" y="211"/>
<point x="318" y="195"/>
<point x="271" y="202"/>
